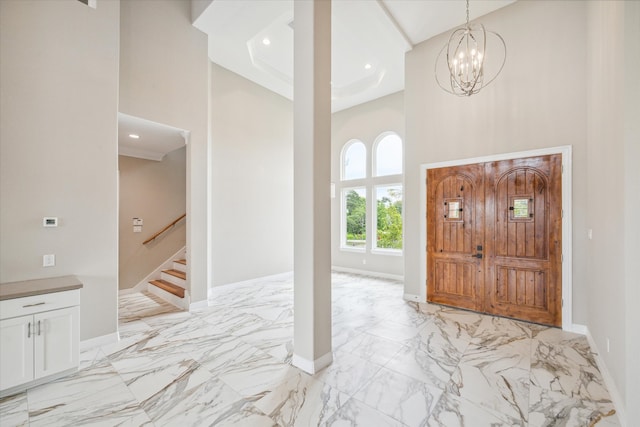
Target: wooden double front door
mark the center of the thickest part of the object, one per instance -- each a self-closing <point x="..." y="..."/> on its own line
<point x="494" y="238"/>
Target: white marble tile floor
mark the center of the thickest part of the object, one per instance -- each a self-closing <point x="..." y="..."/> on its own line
<point x="396" y="363"/>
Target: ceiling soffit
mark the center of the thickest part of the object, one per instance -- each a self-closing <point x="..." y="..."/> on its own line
<point x="254" y="38"/>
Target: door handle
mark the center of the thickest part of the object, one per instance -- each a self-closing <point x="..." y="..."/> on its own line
<point x="478" y="255"/>
<point x="29" y="330"/>
<point x="38" y="327"/>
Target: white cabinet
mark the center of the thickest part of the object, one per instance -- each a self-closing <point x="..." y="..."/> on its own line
<point x="57" y="341"/>
<point x="16" y="351"/>
<point x="39" y="337"/>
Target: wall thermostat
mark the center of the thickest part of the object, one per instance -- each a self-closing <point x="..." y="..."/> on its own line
<point x="49" y="221"/>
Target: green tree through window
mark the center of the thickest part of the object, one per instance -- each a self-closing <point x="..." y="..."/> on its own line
<point x="389" y="217"/>
<point x="356" y="204"/>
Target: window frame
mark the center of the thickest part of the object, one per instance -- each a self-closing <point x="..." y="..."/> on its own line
<point x="343" y="219"/>
<point x="369" y="184"/>
<point x="343" y="165"/>
<point x="374" y="155"/>
<point x="374" y="205"/>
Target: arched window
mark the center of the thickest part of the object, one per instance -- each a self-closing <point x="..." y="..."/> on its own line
<point x="354" y="160"/>
<point x="388" y="155"/>
<point x="387" y="169"/>
<point x="372" y="199"/>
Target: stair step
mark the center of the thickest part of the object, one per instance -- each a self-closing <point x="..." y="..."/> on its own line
<point x="180" y="265"/>
<point x="169" y="287"/>
<point x="176" y="273"/>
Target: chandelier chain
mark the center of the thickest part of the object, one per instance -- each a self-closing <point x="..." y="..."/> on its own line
<point x="467" y="13"/>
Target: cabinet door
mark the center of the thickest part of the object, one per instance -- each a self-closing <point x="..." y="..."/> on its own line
<point x="57" y="337"/>
<point x="16" y="351"/>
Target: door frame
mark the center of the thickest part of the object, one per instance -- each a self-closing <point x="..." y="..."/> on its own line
<point x="567" y="246"/>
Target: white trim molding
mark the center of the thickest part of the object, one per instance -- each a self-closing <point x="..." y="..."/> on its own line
<point x="99" y="341"/>
<point x="312" y="366"/>
<point x="367" y="273"/>
<point x="567" y="232"/>
<point x="199" y="305"/>
<point x="616" y="397"/>
<point x="579" y="329"/>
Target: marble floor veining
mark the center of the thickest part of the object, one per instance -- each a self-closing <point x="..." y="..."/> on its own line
<point x="396" y="363"/>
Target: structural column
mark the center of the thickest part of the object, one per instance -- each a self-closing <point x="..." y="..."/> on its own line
<point x="312" y="170"/>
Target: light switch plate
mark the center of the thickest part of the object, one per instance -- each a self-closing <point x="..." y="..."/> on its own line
<point x="48" y="260"/>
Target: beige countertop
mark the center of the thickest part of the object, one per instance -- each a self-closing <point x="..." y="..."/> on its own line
<point x="29" y="288"/>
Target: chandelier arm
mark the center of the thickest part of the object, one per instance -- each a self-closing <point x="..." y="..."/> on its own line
<point x="504" y="58"/>
<point x="467" y="66"/>
<point x="435" y="69"/>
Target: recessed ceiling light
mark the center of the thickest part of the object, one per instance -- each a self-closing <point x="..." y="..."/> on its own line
<point x="266" y="41"/>
<point x="367" y="66"/>
<point x="134" y="136"/>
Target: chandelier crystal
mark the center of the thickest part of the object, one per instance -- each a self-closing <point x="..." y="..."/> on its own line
<point x="465" y="55"/>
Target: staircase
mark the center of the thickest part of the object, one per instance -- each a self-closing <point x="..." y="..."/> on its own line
<point x="171" y="285"/>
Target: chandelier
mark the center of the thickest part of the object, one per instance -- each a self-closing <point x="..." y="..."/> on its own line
<point x="466" y="59"/>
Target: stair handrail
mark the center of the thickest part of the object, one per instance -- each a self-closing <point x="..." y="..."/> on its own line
<point x="155" y="236"/>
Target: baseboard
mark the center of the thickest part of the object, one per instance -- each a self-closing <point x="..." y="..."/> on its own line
<point x="285" y="275"/>
<point x="24" y="387"/>
<point x="199" y="305"/>
<point x="312" y="366"/>
<point x="99" y="341"/>
<point x="616" y="398"/>
<point x="367" y="273"/>
<point x="579" y="329"/>
<point x="412" y="298"/>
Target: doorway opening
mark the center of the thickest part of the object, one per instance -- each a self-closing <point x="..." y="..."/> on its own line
<point x="152" y="204"/>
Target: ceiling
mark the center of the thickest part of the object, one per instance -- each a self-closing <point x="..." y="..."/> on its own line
<point x="155" y="139"/>
<point x="254" y="38"/>
<point x="369" y="41"/>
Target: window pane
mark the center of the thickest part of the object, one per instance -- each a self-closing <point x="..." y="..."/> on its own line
<point x="389" y="156"/>
<point x="389" y="217"/>
<point x="453" y="209"/>
<point x="354" y="161"/>
<point x="355" y="202"/>
<point x="521" y="208"/>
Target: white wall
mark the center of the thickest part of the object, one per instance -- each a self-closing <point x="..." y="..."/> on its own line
<point x="155" y="192"/>
<point x="58" y="145"/>
<point x="164" y="78"/>
<point x="613" y="152"/>
<point x="252" y="179"/>
<point x="539" y="100"/>
<point x="632" y="193"/>
<point x="556" y="89"/>
<point x="365" y="122"/>
<point x="632" y="207"/>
